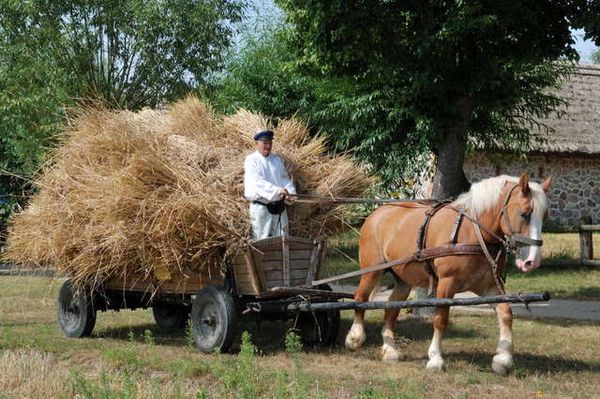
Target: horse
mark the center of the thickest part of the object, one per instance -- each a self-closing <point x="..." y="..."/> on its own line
<point x="502" y="206"/>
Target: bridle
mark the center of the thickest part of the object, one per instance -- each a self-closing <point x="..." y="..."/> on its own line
<point x="514" y="241"/>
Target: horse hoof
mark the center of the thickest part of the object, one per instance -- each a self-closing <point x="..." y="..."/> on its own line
<point x="500" y="368"/>
<point x="502" y="363"/>
<point x="353" y="343"/>
<point x="436" y="364"/>
<point x="389" y="354"/>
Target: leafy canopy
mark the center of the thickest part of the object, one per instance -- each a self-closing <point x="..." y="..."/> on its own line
<point x="126" y="53"/>
<point x="443" y="73"/>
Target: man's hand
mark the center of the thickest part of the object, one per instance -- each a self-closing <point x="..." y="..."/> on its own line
<point x="288" y="198"/>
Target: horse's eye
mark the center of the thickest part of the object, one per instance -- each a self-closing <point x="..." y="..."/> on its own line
<point x="526" y="216"/>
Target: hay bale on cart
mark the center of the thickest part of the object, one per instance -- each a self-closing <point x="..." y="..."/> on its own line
<point x="150" y="203"/>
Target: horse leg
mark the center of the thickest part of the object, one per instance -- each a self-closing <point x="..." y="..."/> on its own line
<point x="445" y="289"/>
<point x="356" y="336"/>
<point x="503" y="360"/>
<point x="389" y="351"/>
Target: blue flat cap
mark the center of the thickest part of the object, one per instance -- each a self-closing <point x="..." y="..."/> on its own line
<point x="264" y="135"/>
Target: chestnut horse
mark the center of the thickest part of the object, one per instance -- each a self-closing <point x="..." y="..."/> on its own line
<point x="502" y="206"/>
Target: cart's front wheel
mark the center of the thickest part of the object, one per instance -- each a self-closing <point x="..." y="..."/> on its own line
<point x="76" y="314"/>
<point x="318" y="329"/>
<point x="214" y="319"/>
<point x="171" y="316"/>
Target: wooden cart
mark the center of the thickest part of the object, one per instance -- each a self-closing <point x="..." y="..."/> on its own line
<point x="267" y="278"/>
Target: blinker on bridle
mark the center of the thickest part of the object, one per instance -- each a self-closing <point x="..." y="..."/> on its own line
<point x="514" y="240"/>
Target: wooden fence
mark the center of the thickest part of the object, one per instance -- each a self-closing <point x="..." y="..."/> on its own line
<point x="586" y="243"/>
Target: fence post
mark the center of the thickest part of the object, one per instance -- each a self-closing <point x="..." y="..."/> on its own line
<point x="586" y="246"/>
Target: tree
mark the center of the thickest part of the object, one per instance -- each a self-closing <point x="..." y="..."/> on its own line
<point x="596" y="57"/>
<point x="126" y="53"/>
<point x="449" y="73"/>
<point x="130" y="53"/>
<point x="264" y="76"/>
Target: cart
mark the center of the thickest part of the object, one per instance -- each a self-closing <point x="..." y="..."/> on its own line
<point x="269" y="279"/>
<point x="273" y="278"/>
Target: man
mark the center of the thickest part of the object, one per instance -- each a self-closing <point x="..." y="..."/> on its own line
<point x="268" y="187"/>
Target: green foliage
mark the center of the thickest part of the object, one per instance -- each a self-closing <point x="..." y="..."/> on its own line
<point x="83" y="387"/>
<point x="190" y="338"/>
<point x="431" y="72"/>
<point x="293" y="343"/>
<point x="241" y="375"/>
<point x="596" y="57"/>
<point x="127" y="54"/>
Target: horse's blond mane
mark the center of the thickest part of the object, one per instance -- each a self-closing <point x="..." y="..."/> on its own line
<point x="484" y="194"/>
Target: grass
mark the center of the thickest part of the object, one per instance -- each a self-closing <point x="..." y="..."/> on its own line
<point x="572" y="282"/>
<point x="128" y="356"/>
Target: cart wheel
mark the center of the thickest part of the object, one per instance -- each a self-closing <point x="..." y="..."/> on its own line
<point x="171" y="316"/>
<point x="318" y="329"/>
<point x="214" y="319"/>
<point x="76" y="314"/>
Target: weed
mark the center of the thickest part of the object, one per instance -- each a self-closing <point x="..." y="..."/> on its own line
<point x="293" y="343"/>
<point x="242" y="375"/>
<point x="83" y="387"/>
<point x="148" y="337"/>
<point x="190" y="338"/>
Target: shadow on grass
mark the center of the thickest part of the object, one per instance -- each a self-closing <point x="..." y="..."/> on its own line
<point x="527" y="364"/>
<point x="137" y="333"/>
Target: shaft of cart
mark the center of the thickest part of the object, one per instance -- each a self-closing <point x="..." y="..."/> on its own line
<point x="430" y="302"/>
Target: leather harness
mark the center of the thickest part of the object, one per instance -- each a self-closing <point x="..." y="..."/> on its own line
<point x="511" y="242"/>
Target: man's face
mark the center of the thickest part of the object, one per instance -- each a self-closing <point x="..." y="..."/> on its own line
<point x="264" y="147"/>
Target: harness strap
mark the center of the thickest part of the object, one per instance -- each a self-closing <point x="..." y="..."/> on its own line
<point x="428" y="264"/>
<point x="493" y="262"/>
<point x="425" y="254"/>
<point x="457" y="222"/>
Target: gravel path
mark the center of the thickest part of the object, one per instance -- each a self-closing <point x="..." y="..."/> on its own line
<point x="553" y="309"/>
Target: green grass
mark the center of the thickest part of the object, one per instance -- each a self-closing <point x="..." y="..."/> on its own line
<point x="128" y="356"/>
<point x="573" y="282"/>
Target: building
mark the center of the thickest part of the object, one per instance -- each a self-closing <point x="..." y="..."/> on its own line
<point x="571" y="155"/>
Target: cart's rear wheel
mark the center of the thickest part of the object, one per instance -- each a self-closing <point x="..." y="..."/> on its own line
<point x="171" y="316"/>
<point x="76" y="314"/>
<point x="214" y="319"/>
<point x="318" y="329"/>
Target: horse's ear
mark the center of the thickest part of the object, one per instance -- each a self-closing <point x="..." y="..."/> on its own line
<point x="524" y="184"/>
<point x="547" y="184"/>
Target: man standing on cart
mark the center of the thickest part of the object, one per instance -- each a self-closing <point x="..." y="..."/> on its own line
<point x="268" y="187"/>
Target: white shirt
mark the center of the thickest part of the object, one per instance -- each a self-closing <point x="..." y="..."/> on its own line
<point x="264" y="177"/>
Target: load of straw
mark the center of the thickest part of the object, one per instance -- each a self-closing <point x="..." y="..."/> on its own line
<point x="136" y="192"/>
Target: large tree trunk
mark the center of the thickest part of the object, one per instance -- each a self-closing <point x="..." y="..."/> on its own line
<point x="449" y="179"/>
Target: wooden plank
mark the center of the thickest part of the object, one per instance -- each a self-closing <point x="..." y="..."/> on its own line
<point x="279" y="275"/>
<point x="322" y="256"/>
<point x="294" y="254"/>
<point x="256" y="281"/>
<point x="589" y="227"/>
<point x="274" y="274"/>
<point x="295" y="242"/>
<point x="294" y="264"/>
<point x="586" y="245"/>
<point x="285" y="255"/>
<point x="314" y="258"/>
<point x="245" y="289"/>
<point x="591" y="262"/>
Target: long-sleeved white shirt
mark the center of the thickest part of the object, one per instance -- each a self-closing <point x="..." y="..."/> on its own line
<point x="264" y="177"/>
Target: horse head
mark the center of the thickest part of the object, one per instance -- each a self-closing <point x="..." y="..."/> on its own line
<point x="522" y="214"/>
